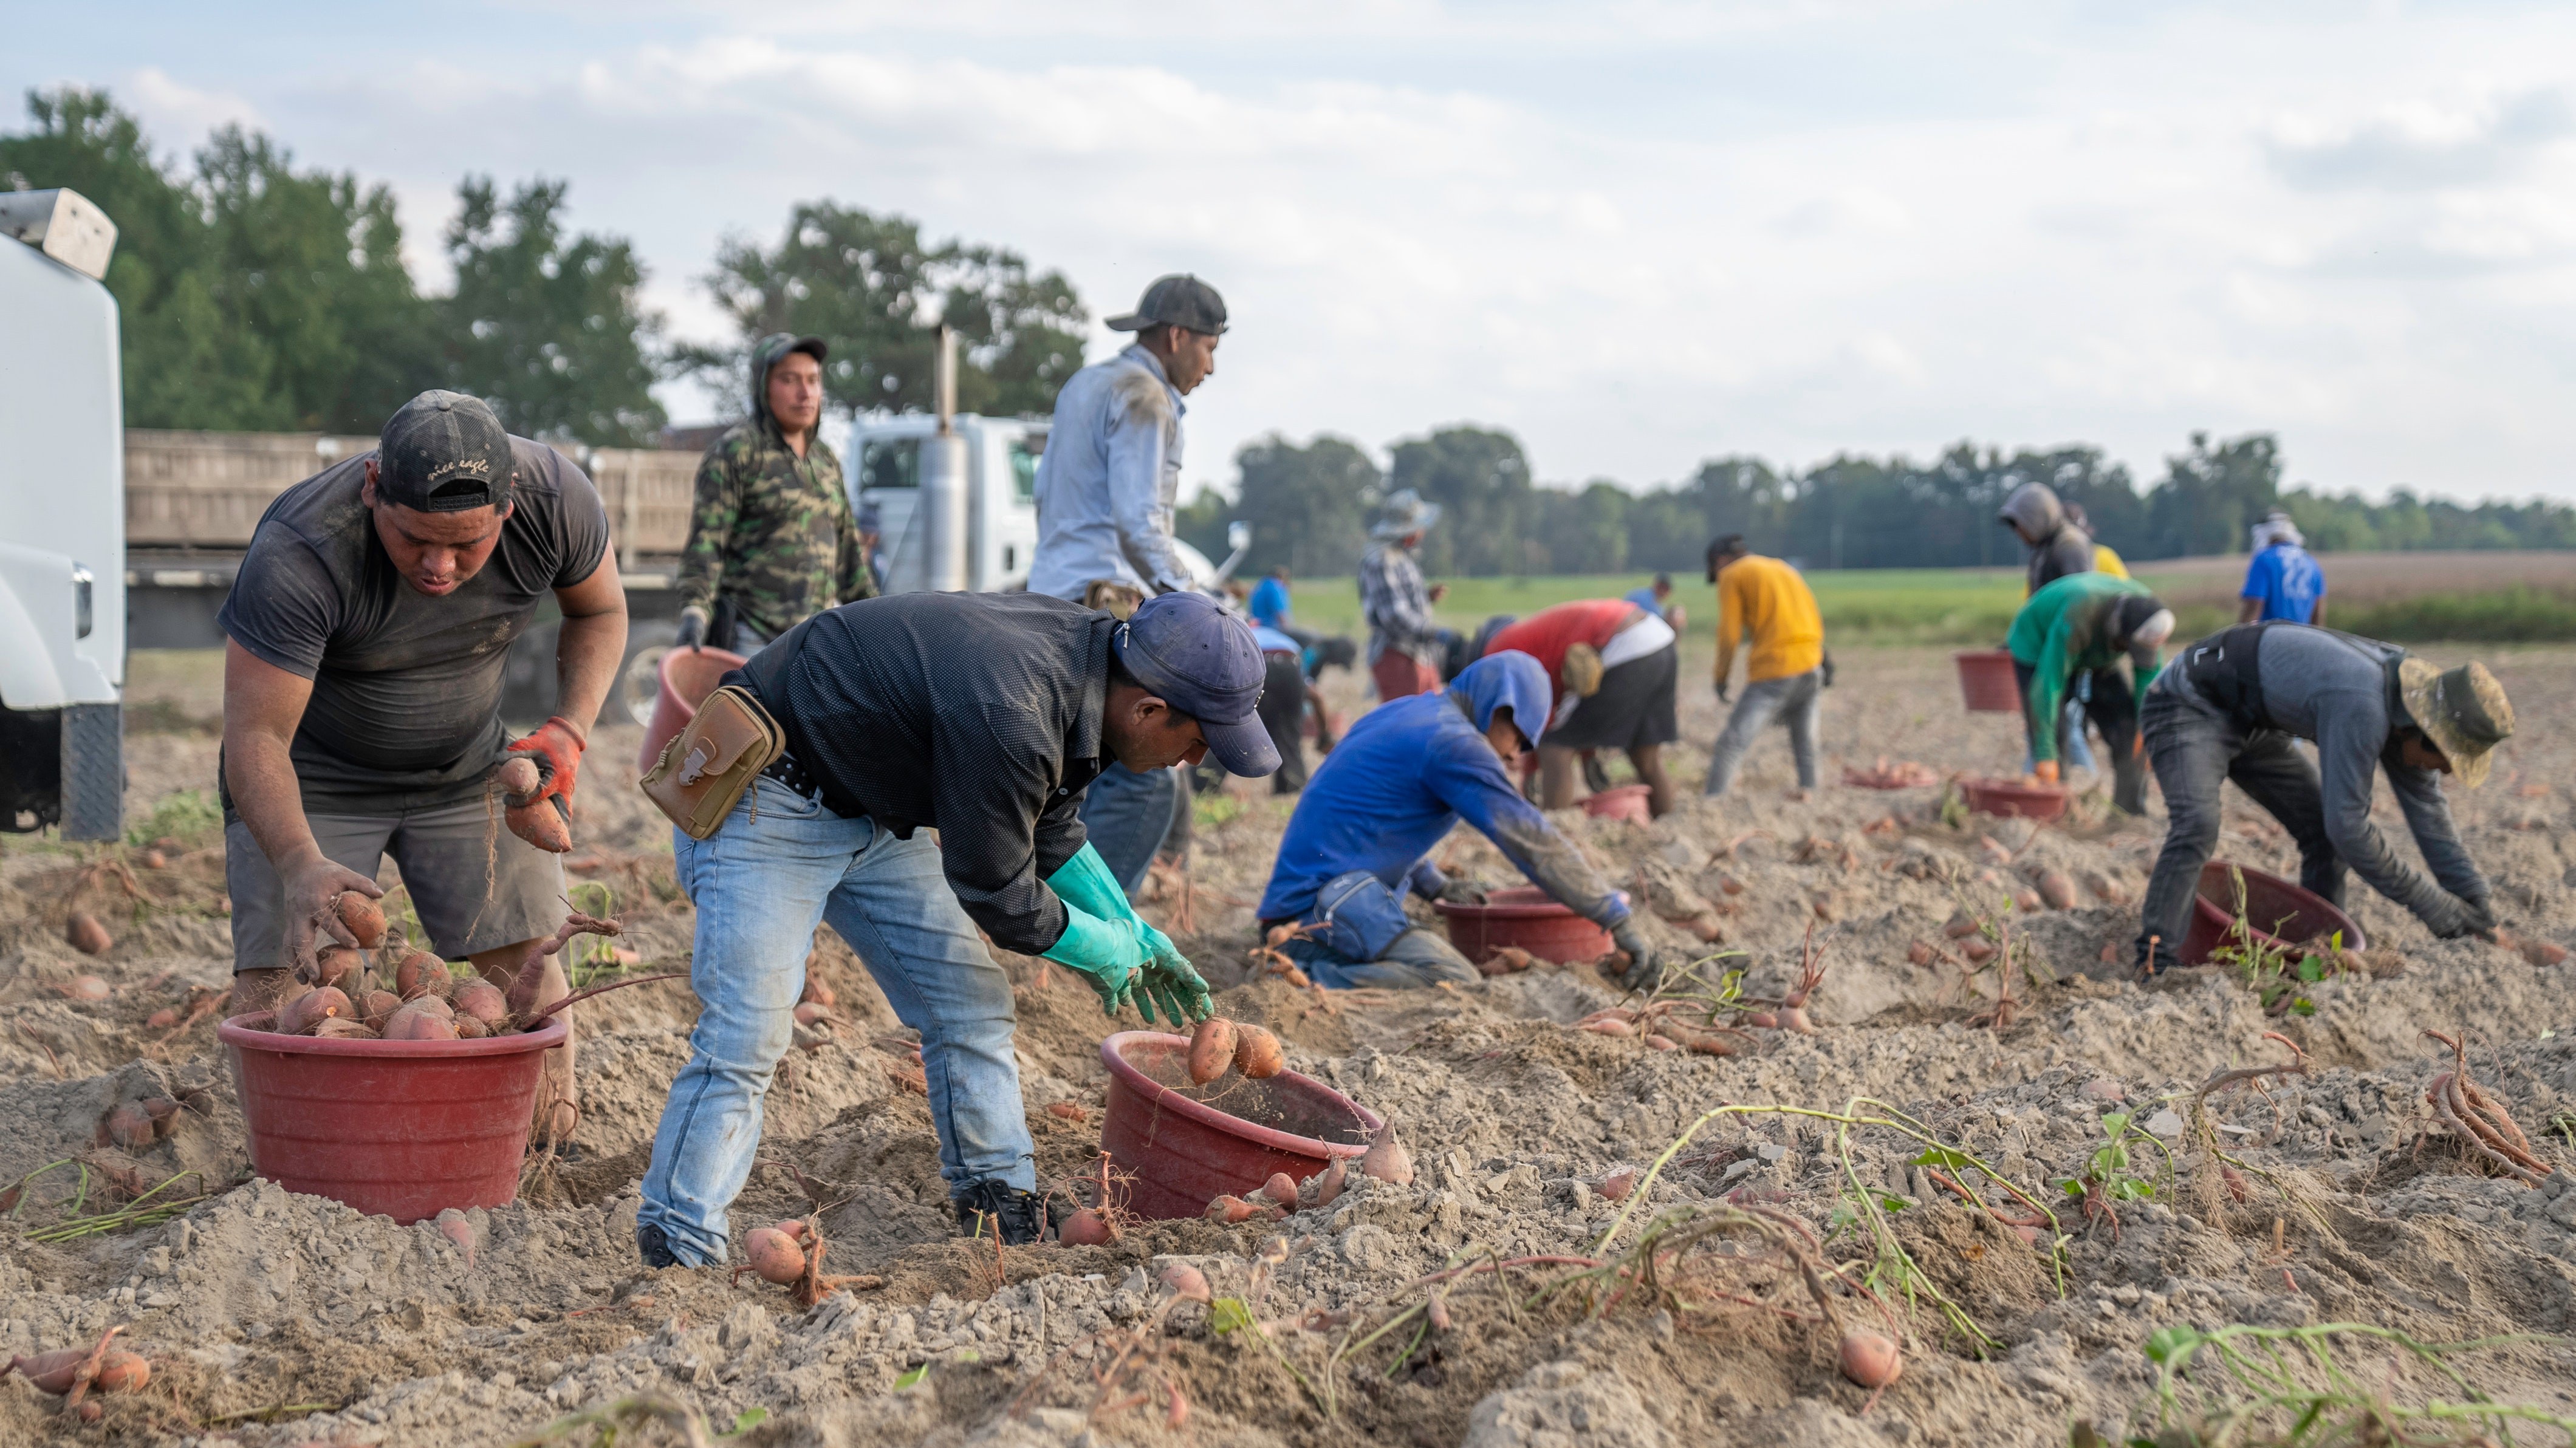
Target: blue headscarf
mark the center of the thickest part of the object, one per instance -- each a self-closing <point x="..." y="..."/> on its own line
<point x="1509" y="677"/>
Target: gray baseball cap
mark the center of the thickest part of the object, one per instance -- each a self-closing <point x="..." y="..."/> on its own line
<point x="444" y="452"/>
<point x="1181" y="300"/>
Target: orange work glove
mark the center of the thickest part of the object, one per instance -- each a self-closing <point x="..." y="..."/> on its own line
<point x="557" y="747"/>
<point x="2046" y="769"/>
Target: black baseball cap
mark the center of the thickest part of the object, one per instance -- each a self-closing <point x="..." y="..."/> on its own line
<point x="444" y="452"/>
<point x="1204" y="664"/>
<point x="1181" y="300"/>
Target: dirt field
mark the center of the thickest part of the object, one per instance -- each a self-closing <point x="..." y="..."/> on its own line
<point x="2259" y="1214"/>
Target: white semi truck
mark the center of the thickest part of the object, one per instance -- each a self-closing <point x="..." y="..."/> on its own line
<point x="62" y="521"/>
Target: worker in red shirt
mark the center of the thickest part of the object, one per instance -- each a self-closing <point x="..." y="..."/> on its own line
<point x="1613" y="665"/>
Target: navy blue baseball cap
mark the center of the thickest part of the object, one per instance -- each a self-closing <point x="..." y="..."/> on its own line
<point x="1204" y="664"/>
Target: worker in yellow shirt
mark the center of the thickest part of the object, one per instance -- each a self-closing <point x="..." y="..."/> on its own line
<point x="1764" y="601"/>
<point x="2104" y="559"/>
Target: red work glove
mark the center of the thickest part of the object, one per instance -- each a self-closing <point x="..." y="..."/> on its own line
<point x="557" y="746"/>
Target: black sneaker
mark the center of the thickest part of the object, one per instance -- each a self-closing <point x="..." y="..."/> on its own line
<point x="1021" y="1214"/>
<point x="655" y="1248"/>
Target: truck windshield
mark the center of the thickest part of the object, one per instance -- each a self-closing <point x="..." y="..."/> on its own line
<point x="893" y="462"/>
<point x="1025" y="452"/>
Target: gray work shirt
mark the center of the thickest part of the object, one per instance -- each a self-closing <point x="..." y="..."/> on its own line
<point x="1106" y="487"/>
<point x="2333" y="689"/>
<point x="406" y="706"/>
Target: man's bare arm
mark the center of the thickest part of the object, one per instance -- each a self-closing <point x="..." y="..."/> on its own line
<point x="262" y="706"/>
<point x="592" y="642"/>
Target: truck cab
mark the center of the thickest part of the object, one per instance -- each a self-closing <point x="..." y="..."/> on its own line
<point x="62" y="521"/>
<point x="882" y="461"/>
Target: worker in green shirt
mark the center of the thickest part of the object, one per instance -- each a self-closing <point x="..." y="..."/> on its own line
<point x="2082" y="624"/>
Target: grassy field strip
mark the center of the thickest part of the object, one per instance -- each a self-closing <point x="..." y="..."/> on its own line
<point x="2522" y="598"/>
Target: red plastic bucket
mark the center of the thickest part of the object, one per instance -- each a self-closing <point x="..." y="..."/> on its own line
<point x="2011" y="798"/>
<point x="2283" y="915"/>
<point x="1526" y="916"/>
<point x="1986" y="682"/>
<point x="1186" y="1145"/>
<point x="688" y="676"/>
<point x="405" y="1128"/>
<point x="1627" y="802"/>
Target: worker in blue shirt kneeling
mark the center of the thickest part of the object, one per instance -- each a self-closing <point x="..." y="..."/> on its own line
<point x="1401" y="778"/>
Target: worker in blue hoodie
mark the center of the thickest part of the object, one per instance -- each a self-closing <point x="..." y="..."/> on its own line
<point x="1403" y="776"/>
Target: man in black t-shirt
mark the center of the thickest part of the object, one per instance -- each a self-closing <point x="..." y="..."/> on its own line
<point x="367" y="634"/>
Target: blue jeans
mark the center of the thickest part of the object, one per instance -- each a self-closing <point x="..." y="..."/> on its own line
<point x="761" y="884"/>
<point x="1127" y="814"/>
<point x="1417" y="960"/>
<point x="1794" y="701"/>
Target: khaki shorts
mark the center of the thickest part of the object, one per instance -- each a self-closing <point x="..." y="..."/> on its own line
<point x="441" y="853"/>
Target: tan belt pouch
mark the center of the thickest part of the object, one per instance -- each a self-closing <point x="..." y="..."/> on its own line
<point x="705" y="769"/>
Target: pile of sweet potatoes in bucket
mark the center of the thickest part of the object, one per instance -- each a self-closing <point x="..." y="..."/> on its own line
<point x="383" y="990"/>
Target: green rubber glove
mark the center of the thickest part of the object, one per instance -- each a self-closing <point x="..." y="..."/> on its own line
<point x="1109" y="953"/>
<point x="1171" y="982"/>
<point x="1086" y="884"/>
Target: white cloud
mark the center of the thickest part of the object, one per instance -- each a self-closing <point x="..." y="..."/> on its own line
<point x="171" y="109"/>
<point x="2419" y="143"/>
<point x="1638" y="234"/>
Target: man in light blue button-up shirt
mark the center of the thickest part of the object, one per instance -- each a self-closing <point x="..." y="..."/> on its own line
<point x="1105" y="493"/>
<point x="1112" y="471"/>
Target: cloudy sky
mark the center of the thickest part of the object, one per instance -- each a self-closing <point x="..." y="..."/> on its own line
<point x="1637" y="234"/>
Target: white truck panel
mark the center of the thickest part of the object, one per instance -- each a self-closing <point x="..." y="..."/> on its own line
<point x="62" y="480"/>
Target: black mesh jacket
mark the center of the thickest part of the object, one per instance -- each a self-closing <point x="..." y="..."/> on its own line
<point x="975" y="714"/>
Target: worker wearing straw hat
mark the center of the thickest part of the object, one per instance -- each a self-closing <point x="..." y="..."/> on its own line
<point x="2228" y="707"/>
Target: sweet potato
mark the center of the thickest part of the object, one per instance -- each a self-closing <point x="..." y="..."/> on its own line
<point x="1608" y="1026"/>
<point x="364" y="918"/>
<point x="1328" y="1187"/>
<point x="1085" y="1228"/>
<point x="86" y="988"/>
<point x="1228" y="1208"/>
<point x="1211" y="1049"/>
<point x="1186" y="1281"/>
<point x="458" y="1228"/>
<point x="411" y="1023"/>
<point x="1386" y="1159"/>
<point x="1617" y="1185"/>
<point x="86" y="935"/>
<point x="1257" y="1054"/>
<point x="122" y="1372"/>
<point x="128" y="1127"/>
<point x="164" y="1113"/>
<point x="1281" y="1189"/>
<point x="422" y="973"/>
<point x="518" y="778"/>
<point x="480" y="999"/>
<point x="333" y="964"/>
<point x="542" y="824"/>
<point x="162" y="1019"/>
<point x="2056" y="890"/>
<point x="1662" y="1043"/>
<point x="119" y="1371"/>
<point x="1870" y="1358"/>
<point x="811" y="1012"/>
<point x="51" y="1371"/>
<point x="299" y="1016"/>
<point x="773" y="1254"/>
<point x="336" y="1029"/>
<point x="469" y="1028"/>
<point x="378" y="1008"/>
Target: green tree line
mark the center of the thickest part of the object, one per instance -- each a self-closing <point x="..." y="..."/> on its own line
<point x="257" y="295"/>
<point x="1310" y="505"/>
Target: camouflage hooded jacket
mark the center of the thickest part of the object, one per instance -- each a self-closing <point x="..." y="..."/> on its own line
<point x="771" y="532"/>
